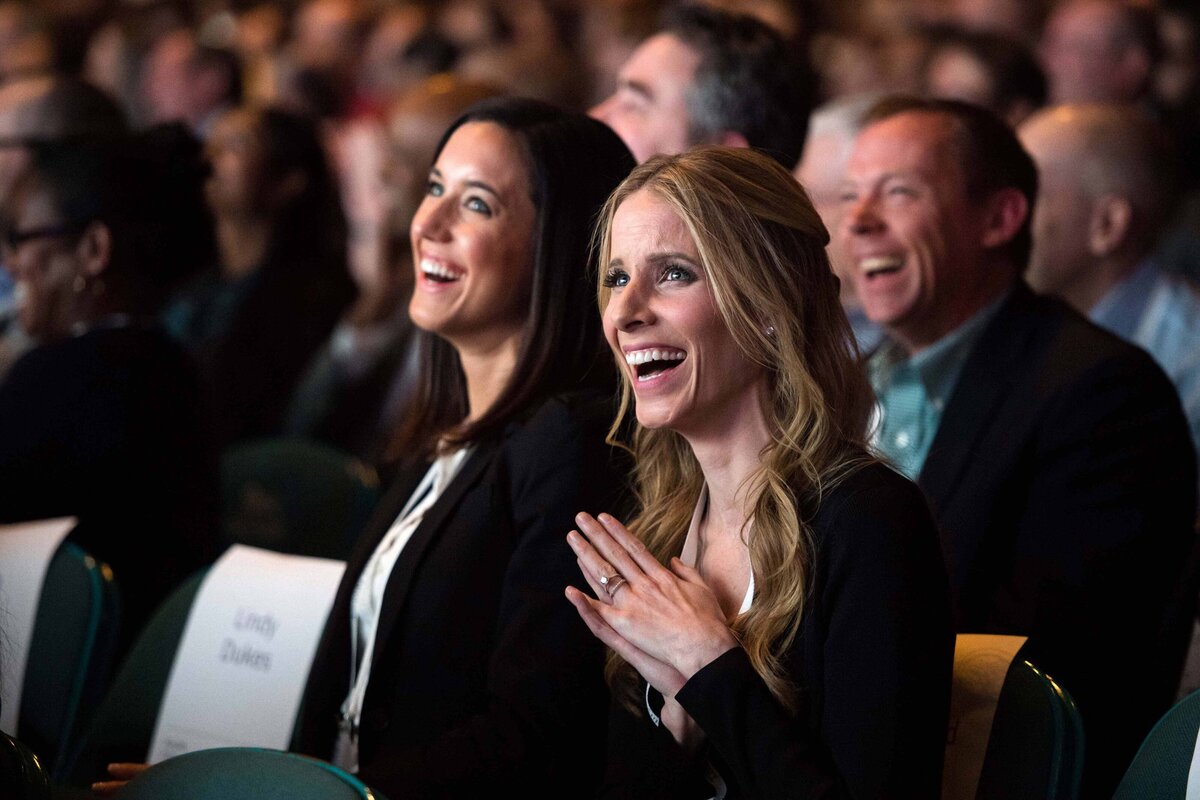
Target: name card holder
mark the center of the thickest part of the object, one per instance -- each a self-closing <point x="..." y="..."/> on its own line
<point x="243" y="661"/>
<point x="25" y="553"/>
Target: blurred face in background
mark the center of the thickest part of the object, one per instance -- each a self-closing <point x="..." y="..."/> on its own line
<point x="40" y="250"/>
<point x="235" y="152"/>
<point x="649" y="108"/>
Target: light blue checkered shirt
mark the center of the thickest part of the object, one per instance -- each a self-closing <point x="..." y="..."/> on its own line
<point x="913" y="390"/>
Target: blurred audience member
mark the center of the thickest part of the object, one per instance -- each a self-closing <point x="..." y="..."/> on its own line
<point x="986" y="69"/>
<point x="822" y="171"/>
<point x="328" y="37"/>
<point x="184" y="81"/>
<point x="1107" y="186"/>
<point x="520" y="47"/>
<point x="42" y="109"/>
<point x="715" y="78"/>
<point x="102" y="420"/>
<point x="281" y="284"/>
<point x="400" y="51"/>
<point x="1018" y="20"/>
<point x="1055" y="456"/>
<point x="1101" y="51"/>
<point x="360" y="381"/>
<point x="26" y="44"/>
<point x="1177" y="79"/>
<point x="609" y="32"/>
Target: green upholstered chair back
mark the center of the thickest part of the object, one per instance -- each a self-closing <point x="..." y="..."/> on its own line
<point x="1035" y="750"/>
<point x="246" y="773"/>
<point x="295" y="496"/>
<point x="123" y="724"/>
<point x="21" y="774"/>
<point x="1160" y="768"/>
<point x="70" y="654"/>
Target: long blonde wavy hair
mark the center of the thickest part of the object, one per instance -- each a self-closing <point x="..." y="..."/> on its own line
<point x="762" y="248"/>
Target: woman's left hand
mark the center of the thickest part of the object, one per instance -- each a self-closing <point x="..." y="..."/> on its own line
<point x="670" y="615"/>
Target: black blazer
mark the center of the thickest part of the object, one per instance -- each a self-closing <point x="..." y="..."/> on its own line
<point x="484" y="679"/>
<point x="1063" y="479"/>
<point x="872" y="663"/>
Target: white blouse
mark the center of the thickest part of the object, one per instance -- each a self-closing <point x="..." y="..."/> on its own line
<point x="691" y="546"/>
<point x="367" y="600"/>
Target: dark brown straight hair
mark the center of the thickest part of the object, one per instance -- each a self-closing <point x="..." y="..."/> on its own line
<point x="573" y="162"/>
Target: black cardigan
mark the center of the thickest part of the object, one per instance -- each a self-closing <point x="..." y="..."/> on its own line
<point x="872" y="663"/>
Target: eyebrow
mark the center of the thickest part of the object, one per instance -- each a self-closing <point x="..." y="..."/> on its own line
<point x="655" y="258"/>
<point x="474" y="184"/>
<point x="637" y="87"/>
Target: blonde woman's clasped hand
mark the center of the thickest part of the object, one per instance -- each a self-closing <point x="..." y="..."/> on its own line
<point x="667" y="623"/>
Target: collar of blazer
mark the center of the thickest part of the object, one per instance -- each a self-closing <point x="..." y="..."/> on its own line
<point x="396" y="594"/>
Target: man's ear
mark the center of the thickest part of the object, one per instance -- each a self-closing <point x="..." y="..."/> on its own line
<point x="732" y="139"/>
<point x="95" y="249"/>
<point x="1007" y="211"/>
<point x="1109" y="224"/>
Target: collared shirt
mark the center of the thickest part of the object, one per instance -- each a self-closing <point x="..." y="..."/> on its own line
<point x="367" y="600"/>
<point x="912" y="391"/>
<point x="1161" y="314"/>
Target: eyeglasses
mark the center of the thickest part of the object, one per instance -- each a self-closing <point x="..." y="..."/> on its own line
<point x="11" y="238"/>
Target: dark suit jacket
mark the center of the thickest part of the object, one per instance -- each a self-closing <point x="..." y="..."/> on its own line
<point x="1063" y="481"/>
<point x="872" y="663"/>
<point x="484" y="680"/>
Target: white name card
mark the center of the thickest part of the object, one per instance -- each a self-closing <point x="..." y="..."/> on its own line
<point x="25" y="553"/>
<point x="246" y="650"/>
<point x="981" y="663"/>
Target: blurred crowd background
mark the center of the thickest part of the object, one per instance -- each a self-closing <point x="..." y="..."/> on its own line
<point x="319" y="119"/>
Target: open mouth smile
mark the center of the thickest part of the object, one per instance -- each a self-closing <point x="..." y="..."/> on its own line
<point x="437" y="272"/>
<point x="875" y="266"/>
<point x="654" y="362"/>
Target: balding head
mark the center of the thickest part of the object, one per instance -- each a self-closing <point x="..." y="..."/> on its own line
<point x="1107" y="185"/>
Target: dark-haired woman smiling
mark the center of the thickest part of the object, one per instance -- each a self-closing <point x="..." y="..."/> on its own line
<point x="450" y="666"/>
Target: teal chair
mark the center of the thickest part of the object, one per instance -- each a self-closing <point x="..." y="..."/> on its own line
<point x="246" y="773"/>
<point x="1160" y="768"/>
<point x="295" y="496"/>
<point x="70" y="654"/>
<point x="123" y="724"/>
<point x="1035" y="751"/>
<point x="1014" y="732"/>
<point x="21" y="774"/>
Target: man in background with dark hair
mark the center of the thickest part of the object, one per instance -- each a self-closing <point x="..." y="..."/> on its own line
<point x="711" y="77"/>
<point x="1055" y="457"/>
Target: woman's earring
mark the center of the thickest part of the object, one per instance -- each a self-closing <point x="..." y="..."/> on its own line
<point x="769" y="330"/>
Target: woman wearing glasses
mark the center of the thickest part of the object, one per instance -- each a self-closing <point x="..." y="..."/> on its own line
<point x="102" y="419"/>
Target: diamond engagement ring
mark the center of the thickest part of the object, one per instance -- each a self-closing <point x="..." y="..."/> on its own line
<point x="612" y="583"/>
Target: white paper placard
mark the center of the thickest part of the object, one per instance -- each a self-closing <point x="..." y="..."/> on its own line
<point x="1193" y="780"/>
<point x="25" y="552"/>
<point x="246" y="650"/>
<point x="981" y="663"/>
